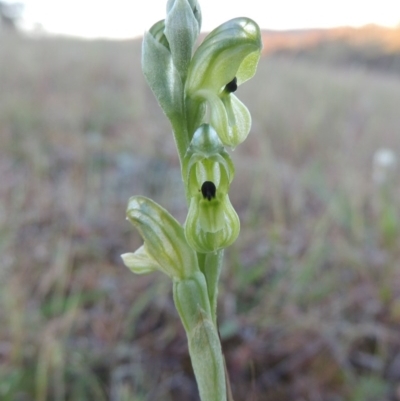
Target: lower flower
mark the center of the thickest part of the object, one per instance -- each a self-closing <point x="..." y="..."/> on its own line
<point x="165" y="247"/>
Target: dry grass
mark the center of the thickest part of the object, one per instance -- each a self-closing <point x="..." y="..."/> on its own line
<point x="387" y="38"/>
<point x="369" y="47"/>
<point x="310" y="296"/>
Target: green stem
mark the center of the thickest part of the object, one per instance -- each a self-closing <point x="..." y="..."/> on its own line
<point x="211" y="266"/>
<point x="181" y="138"/>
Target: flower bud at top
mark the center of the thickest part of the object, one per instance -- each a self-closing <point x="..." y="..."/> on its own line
<point x="182" y="28"/>
<point x="195" y="7"/>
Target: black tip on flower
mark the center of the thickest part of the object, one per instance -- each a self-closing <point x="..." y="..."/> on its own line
<point x="208" y="190"/>
<point x="231" y="86"/>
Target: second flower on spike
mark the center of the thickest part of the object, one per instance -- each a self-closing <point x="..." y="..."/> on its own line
<point x="212" y="222"/>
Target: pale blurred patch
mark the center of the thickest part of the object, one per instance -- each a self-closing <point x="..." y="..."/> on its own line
<point x="384" y="166"/>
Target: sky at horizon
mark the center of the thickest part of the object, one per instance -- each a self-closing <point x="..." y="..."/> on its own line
<point x="127" y="19"/>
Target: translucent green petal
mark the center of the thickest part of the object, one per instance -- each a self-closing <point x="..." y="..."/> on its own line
<point x="140" y="262"/>
<point x="230" y="118"/>
<point x="239" y="121"/>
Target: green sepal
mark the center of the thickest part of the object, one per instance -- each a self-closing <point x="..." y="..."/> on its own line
<point x="181" y="30"/>
<point x="163" y="237"/>
<point x="211" y="225"/>
<point x="231" y="50"/>
<point x="161" y="74"/>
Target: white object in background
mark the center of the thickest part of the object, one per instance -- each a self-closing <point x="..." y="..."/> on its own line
<point x="384" y="165"/>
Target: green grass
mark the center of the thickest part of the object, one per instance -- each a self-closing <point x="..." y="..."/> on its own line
<point x="309" y="300"/>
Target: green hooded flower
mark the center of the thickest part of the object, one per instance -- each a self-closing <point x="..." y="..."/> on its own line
<point x="212" y="222"/>
<point x="165" y="247"/>
<point x="227" y="58"/>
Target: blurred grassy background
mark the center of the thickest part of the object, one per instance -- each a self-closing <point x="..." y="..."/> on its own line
<point x="310" y="295"/>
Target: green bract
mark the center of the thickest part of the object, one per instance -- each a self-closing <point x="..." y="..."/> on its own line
<point x="165" y="247"/>
<point x="161" y="74"/>
<point x="230" y="51"/>
<point x="192" y="303"/>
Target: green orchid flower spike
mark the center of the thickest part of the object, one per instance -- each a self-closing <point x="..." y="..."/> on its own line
<point x="212" y="222"/>
<point x="195" y="89"/>
<point x="228" y="57"/>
